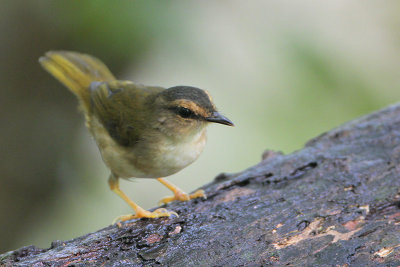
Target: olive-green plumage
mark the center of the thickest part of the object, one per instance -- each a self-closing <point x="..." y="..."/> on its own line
<point x="141" y="131"/>
<point x="123" y="108"/>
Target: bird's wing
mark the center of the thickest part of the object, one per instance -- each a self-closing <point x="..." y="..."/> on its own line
<point x="121" y="106"/>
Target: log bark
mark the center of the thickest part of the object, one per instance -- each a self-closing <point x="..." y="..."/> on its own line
<point x="336" y="202"/>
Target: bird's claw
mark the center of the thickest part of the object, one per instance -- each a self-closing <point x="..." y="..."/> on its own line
<point x="145" y="214"/>
<point x="182" y="196"/>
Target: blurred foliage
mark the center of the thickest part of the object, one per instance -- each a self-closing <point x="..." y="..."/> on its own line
<point x="283" y="72"/>
<point x="121" y="33"/>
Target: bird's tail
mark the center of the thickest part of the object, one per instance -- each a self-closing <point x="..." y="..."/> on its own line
<point x="76" y="71"/>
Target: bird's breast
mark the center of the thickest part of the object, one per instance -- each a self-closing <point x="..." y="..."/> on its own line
<point x="175" y="156"/>
<point x="150" y="157"/>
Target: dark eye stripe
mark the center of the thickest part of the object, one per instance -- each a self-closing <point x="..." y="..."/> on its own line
<point x="184" y="112"/>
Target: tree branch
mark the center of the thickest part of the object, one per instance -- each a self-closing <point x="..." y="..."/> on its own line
<point x="335" y="202"/>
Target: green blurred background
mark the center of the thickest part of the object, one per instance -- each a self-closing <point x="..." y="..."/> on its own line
<point x="283" y="71"/>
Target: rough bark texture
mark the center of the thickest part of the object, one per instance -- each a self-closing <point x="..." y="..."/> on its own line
<point x="333" y="203"/>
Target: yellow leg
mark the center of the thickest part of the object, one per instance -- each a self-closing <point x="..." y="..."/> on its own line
<point x="139" y="211"/>
<point x="178" y="193"/>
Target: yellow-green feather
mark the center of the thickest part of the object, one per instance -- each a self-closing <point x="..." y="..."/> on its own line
<point x="76" y="71"/>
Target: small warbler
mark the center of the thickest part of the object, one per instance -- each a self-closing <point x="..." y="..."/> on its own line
<point x="141" y="131"/>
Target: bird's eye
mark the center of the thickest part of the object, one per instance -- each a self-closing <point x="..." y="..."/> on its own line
<point x="185" y="112"/>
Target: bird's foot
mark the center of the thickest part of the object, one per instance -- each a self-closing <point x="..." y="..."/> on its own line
<point x="182" y="196"/>
<point x="145" y="214"/>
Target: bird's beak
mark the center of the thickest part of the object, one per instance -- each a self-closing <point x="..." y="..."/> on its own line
<point x="219" y="118"/>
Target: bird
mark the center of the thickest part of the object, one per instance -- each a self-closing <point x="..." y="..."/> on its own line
<point x="141" y="131"/>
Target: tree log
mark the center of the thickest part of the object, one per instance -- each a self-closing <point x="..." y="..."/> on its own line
<point x="336" y="202"/>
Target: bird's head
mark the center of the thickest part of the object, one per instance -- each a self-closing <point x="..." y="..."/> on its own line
<point x="185" y="110"/>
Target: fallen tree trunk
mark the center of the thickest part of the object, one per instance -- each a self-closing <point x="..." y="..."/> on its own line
<point x="335" y="202"/>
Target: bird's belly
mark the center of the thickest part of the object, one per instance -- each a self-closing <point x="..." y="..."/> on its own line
<point x="148" y="160"/>
<point x="166" y="159"/>
<point x="117" y="158"/>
